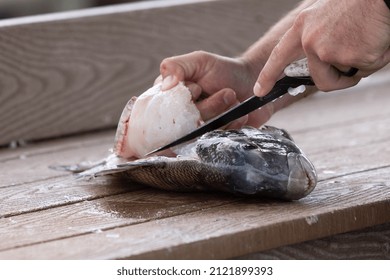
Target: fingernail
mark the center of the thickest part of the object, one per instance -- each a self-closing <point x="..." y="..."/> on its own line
<point x="257" y="89"/>
<point x="229" y="98"/>
<point x="167" y="83"/>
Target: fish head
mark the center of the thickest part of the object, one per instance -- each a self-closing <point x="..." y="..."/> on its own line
<point x="264" y="161"/>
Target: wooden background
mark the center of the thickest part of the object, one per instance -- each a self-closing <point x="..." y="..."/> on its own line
<point x="74" y="72"/>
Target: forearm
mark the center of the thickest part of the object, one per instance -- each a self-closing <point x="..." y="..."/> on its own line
<point x="258" y="53"/>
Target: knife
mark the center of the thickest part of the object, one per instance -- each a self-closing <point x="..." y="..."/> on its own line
<point x="281" y="87"/>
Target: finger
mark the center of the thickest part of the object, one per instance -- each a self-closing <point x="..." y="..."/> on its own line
<point x="261" y="116"/>
<point x="327" y="77"/>
<point x="286" y="51"/>
<point x="187" y="67"/>
<point x="382" y="61"/>
<point x="195" y="89"/>
<point x="342" y="68"/>
<point x="217" y="103"/>
<point x="361" y="73"/>
<point x="386" y="57"/>
<point x="237" y="124"/>
<point x="172" y="71"/>
<point x="169" y="82"/>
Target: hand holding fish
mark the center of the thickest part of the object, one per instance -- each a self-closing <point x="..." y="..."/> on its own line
<point x="334" y="35"/>
<point x="216" y="82"/>
<point x="223" y="81"/>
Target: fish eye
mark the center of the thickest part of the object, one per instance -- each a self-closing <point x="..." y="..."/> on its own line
<point x="249" y="146"/>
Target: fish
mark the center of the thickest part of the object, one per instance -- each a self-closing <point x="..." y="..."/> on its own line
<point x="260" y="162"/>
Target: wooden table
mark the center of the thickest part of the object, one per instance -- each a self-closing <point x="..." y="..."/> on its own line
<point x="47" y="214"/>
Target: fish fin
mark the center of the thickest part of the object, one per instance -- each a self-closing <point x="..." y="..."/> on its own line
<point x="276" y="130"/>
<point x="79" y="167"/>
<point x="126" y="166"/>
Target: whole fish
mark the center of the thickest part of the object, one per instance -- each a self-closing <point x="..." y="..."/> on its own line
<point x="261" y="162"/>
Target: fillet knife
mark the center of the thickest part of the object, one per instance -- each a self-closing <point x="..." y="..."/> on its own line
<point x="301" y="77"/>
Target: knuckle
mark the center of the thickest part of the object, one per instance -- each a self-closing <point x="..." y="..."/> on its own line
<point x="369" y="59"/>
<point x="326" y="55"/>
<point x="200" y="54"/>
<point x="347" y="59"/>
<point x="300" y="19"/>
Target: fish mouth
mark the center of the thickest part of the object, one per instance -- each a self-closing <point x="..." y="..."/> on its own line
<point x="302" y="178"/>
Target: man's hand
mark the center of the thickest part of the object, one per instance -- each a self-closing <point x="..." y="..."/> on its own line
<point x="334" y="35"/>
<point x="217" y="83"/>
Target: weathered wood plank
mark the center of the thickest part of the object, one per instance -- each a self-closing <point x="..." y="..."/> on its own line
<point x="35" y="196"/>
<point x="354" y="202"/>
<point x="370" y="243"/>
<point x="105" y="137"/>
<point x="75" y="71"/>
<point x="33" y="166"/>
<point x="101" y="215"/>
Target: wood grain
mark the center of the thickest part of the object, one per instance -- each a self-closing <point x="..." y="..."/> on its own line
<point x="32" y="167"/>
<point x="99" y="215"/>
<point x="75" y="72"/>
<point x="368" y="244"/>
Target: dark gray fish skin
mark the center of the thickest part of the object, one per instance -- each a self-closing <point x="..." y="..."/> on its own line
<point x="263" y="162"/>
<point x="254" y="162"/>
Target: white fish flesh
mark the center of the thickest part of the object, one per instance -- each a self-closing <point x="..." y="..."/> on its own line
<point x="155" y="118"/>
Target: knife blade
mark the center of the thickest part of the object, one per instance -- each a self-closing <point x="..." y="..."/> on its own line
<point x="281" y="87"/>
